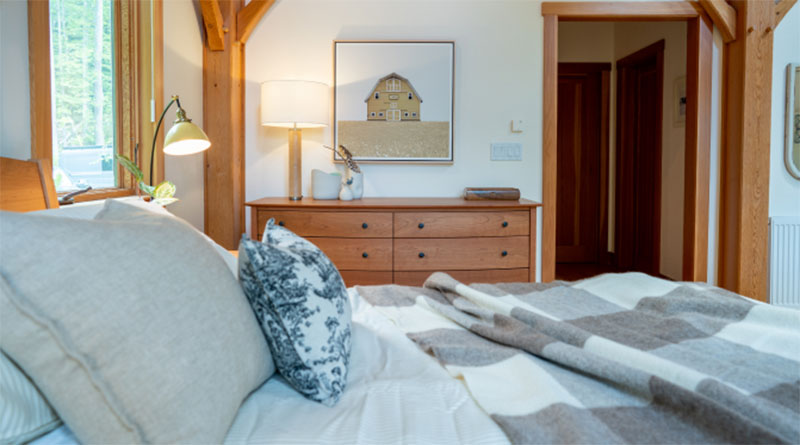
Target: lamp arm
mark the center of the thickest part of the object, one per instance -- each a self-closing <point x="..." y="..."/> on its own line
<point x="155" y="135"/>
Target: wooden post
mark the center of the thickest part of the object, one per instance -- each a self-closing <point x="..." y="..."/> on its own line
<point x="744" y="190"/>
<point x="223" y="115"/>
<point x="227" y="25"/>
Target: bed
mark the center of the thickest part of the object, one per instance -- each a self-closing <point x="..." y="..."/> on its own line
<point x="615" y="358"/>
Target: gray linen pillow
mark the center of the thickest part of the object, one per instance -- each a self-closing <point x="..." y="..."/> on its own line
<point x="135" y="331"/>
<point x="301" y="301"/>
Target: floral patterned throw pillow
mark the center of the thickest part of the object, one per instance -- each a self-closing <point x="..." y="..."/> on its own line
<point x="301" y="302"/>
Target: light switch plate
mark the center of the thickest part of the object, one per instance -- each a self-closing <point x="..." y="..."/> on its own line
<point x="506" y="151"/>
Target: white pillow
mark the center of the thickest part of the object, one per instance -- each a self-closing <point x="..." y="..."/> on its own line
<point x="24" y="413"/>
<point x="133" y="328"/>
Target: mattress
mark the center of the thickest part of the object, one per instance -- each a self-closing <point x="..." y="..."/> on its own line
<point x="396" y="394"/>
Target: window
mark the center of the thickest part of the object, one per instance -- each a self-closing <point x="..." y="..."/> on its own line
<point x="392" y="85"/>
<point x="81" y="35"/>
<point x="377" y="95"/>
<point x="409" y="96"/>
<point x="380" y="114"/>
<point x="372" y="114"/>
<point x="414" y="114"/>
<point x="98" y="76"/>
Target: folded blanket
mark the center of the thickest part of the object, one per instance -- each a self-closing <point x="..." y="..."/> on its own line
<point x="615" y="358"/>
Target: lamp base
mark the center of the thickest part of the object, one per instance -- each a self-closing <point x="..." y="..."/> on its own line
<point x="295" y="165"/>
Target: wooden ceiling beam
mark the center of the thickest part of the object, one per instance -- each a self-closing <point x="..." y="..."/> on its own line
<point x="213" y="24"/>
<point x="781" y="8"/>
<point x="249" y="16"/>
<point x="724" y="17"/>
<point x="620" y="11"/>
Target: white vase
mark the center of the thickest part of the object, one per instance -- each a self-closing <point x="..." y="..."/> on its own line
<point x="345" y="194"/>
<point x="325" y="185"/>
<point x="357" y="185"/>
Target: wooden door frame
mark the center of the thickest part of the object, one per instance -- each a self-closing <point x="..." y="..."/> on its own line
<point x="698" y="117"/>
<point x="657" y="50"/>
<point x="604" y="69"/>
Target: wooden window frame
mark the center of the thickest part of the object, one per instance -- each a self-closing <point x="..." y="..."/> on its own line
<point x="138" y="68"/>
<point x="698" y="112"/>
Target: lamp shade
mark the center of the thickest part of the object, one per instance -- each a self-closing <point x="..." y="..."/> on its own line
<point x="290" y="103"/>
<point x="185" y="138"/>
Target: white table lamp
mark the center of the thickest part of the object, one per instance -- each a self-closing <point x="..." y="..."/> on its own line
<point x="294" y="104"/>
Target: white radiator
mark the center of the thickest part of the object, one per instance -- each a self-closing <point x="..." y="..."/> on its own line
<point x="784" y="260"/>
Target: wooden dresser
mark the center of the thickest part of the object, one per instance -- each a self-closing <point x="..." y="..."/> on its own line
<point x="403" y="240"/>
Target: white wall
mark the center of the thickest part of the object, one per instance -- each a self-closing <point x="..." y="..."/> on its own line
<point x="784" y="190"/>
<point x="183" y="75"/>
<point x="15" y="123"/>
<point x="498" y="78"/>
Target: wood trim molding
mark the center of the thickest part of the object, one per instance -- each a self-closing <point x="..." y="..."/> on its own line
<point x="212" y="23"/>
<point x="700" y="42"/>
<point x="610" y="11"/>
<point x="781" y="8"/>
<point x="549" y="146"/>
<point x="724" y="16"/>
<point x="249" y="16"/>
<point x="744" y="186"/>
<point x="39" y="71"/>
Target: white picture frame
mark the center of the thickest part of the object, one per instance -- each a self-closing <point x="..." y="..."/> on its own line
<point x="416" y="125"/>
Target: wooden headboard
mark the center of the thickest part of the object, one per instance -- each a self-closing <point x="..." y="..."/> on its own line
<point x="26" y="186"/>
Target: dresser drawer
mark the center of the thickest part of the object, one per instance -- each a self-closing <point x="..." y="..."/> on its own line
<point x="338" y="224"/>
<point x="460" y="224"/>
<point x="461" y="254"/>
<point x="357" y="253"/>
<point x="417" y="278"/>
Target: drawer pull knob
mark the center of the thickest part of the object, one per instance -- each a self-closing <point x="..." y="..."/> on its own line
<point x="421" y="225"/>
<point x="365" y="254"/>
<point x="504" y="253"/>
<point x="280" y="223"/>
<point x="422" y="254"/>
<point x="505" y="223"/>
<point x="364" y="225"/>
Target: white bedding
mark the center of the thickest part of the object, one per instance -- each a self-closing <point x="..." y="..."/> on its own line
<point x="396" y="394"/>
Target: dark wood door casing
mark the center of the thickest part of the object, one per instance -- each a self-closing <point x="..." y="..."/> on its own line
<point x="640" y="80"/>
<point x="581" y="232"/>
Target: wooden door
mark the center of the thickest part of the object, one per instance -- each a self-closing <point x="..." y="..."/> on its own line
<point x="582" y="161"/>
<point x="638" y="184"/>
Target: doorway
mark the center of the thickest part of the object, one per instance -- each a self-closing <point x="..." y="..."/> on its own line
<point x="582" y="192"/>
<point x="697" y="136"/>
<point x="640" y="81"/>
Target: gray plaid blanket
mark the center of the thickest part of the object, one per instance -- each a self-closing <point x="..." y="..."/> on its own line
<point x="612" y="359"/>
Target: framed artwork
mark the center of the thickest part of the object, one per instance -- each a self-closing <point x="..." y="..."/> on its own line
<point x="393" y="100"/>
<point x="792" y="149"/>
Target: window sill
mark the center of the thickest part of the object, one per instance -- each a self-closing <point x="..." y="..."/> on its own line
<point x="97" y="194"/>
